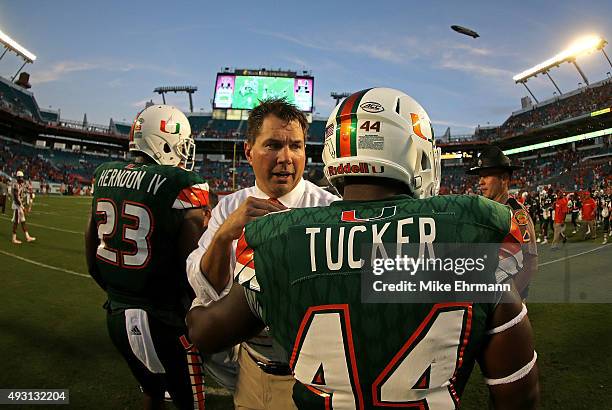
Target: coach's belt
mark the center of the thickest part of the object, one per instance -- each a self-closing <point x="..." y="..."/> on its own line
<point x="273" y="368"/>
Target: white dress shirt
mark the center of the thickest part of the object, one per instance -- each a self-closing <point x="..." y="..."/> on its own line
<point x="304" y="195"/>
<point x="222" y="366"/>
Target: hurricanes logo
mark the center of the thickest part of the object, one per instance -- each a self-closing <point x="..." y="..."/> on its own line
<point x="169" y="126"/>
<point x="385" y="213"/>
<point x="416" y="126"/>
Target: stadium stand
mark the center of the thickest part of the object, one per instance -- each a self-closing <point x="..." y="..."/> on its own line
<point x="583" y="168"/>
<point x="18" y="101"/>
<point x="568" y="107"/>
<point x="571" y="166"/>
<point x="122" y="128"/>
<point x="49" y="116"/>
<point x="316" y="132"/>
<point x="48" y="165"/>
<point x="203" y="125"/>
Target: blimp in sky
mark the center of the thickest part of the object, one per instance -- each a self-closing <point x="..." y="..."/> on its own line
<point x="466" y="31"/>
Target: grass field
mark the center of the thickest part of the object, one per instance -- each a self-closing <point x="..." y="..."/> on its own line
<point x="53" y="329"/>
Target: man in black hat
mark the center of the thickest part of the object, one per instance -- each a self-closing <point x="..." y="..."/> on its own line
<point x="495" y="171"/>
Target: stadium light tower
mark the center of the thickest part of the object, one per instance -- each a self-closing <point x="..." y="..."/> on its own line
<point x="186" y="89"/>
<point x="584" y="45"/>
<point x="338" y="96"/>
<point x="12" y="45"/>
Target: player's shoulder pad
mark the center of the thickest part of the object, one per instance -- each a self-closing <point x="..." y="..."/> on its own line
<point x="108" y="165"/>
<point x="276" y="224"/>
<point x="179" y="176"/>
<point x="269" y="226"/>
<point x="192" y="189"/>
<point x="477" y="209"/>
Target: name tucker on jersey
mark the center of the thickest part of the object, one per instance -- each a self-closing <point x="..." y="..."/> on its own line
<point x="130" y="179"/>
<point x="343" y="244"/>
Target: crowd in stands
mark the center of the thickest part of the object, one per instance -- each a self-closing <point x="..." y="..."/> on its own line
<point x="204" y="126"/>
<point x="21" y="102"/>
<point x="565" y="168"/>
<point x="220" y="178"/>
<point x="47" y="165"/>
<point x="584" y="101"/>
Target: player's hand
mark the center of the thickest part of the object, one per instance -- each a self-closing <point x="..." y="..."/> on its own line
<point x="251" y="209"/>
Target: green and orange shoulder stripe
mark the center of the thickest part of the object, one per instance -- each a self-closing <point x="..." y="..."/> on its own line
<point x="194" y="196"/>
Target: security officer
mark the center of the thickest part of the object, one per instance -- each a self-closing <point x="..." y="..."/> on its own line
<point x="495" y="172"/>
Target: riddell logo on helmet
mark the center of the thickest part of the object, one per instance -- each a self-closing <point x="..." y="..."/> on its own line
<point x="362" y="168"/>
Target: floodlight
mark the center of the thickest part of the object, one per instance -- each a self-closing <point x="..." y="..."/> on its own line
<point x="584" y="45"/>
<point x="566" y="140"/>
<point x="16" y="47"/>
<point x="581" y="46"/>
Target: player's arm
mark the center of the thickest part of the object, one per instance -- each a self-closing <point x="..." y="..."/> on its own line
<point x="16" y="196"/>
<point x="215" y="263"/>
<point x="91" y="246"/>
<point x="224" y="323"/>
<point x="191" y="230"/>
<point x="508" y="361"/>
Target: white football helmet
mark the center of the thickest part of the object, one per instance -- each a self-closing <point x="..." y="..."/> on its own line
<point x="163" y="133"/>
<point x="382" y="132"/>
<point x="19" y="174"/>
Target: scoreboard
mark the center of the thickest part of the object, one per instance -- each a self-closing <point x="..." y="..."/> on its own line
<point x="243" y="92"/>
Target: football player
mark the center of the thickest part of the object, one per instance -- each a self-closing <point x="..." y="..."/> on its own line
<point x="29" y="196"/>
<point x="546" y="203"/>
<point x="606" y="214"/>
<point x="146" y="217"/>
<point x="346" y="354"/>
<point x="18" y="206"/>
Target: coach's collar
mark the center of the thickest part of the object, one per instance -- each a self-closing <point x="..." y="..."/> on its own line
<point x="291" y="199"/>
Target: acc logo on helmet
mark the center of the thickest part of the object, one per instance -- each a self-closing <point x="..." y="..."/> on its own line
<point x="372" y="106"/>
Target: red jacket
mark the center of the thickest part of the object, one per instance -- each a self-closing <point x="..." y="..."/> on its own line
<point x="560" y="210"/>
<point x="588" y="209"/>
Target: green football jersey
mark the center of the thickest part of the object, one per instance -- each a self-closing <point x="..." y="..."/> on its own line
<point x="138" y="210"/>
<point x="348" y="354"/>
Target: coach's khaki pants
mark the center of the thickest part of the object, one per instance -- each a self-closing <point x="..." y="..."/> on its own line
<point x="559" y="229"/>
<point x="257" y="390"/>
<point x="589" y="226"/>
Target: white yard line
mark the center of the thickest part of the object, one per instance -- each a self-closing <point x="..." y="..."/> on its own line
<point x="573" y="256"/>
<point x="47" y="227"/>
<point x="70" y="272"/>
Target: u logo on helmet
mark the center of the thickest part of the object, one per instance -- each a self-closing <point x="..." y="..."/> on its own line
<point x="169" y="127"/>
<point x="416" y="125"/>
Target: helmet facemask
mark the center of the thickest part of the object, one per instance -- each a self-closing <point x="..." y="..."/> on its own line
<point x="186" y="150"/>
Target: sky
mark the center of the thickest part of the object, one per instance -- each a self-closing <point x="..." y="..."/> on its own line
<point x="104" y="58"/>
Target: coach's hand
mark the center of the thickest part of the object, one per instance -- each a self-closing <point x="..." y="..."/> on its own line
<point x="251" y="209"/>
